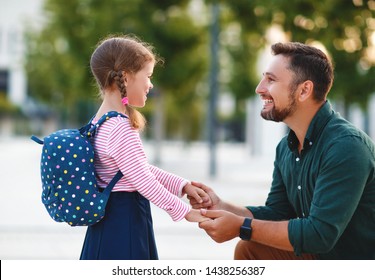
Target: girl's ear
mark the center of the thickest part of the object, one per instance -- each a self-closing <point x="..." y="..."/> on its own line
<point x="124" y="76"/>
<point x="127" y="76"/>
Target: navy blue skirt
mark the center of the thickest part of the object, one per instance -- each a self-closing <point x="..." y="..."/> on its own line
<point x="125" y="233"/>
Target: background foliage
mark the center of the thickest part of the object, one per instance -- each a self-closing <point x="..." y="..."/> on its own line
<point x="58" y="56"/>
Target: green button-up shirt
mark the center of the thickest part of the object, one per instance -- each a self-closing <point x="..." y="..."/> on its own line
<point x="327" y="192"/>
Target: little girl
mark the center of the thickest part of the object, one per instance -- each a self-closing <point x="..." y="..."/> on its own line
<point x="122" y="67"/>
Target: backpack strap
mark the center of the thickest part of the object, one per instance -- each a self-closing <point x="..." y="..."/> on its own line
<point x="37" y="140"/>
<point x="89" y="129"/>
<point x="115" y="179"/>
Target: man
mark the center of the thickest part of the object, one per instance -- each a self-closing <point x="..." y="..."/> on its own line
<point x="321" y="204"/>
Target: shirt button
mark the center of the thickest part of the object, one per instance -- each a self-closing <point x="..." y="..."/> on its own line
<point x="297" y="159"/>
<point x="299" y="188"/>
<point x="310" y="143"/>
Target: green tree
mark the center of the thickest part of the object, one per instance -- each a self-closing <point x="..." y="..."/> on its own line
<point x="182" y="44"/>
<point x="58" y="55"/>
<point x="345" y="28"/>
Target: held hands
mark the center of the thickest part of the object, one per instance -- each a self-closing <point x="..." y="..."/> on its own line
<point x="198" y="194"/>
<point x="214" y="202"/>
<point x="221" y="225"/>
<point x="200" y="197"/>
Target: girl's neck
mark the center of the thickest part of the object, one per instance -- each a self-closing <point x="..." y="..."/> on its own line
<point x="111" y="102"/>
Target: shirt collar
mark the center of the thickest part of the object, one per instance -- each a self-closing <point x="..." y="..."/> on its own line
<point x="316" y="126"/>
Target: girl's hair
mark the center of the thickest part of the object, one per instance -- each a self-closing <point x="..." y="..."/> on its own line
<point x="308" y="63"/>
<point x="115" y="55"/>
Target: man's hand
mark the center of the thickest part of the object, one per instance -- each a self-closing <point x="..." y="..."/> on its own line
<point x="224" y="225"/>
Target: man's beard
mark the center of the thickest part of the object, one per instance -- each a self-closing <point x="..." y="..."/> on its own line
<point x="278" y="115"/>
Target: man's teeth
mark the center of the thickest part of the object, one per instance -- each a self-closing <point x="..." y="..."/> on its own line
<point x="267" y="101"/>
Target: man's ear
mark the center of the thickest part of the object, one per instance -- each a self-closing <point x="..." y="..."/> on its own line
<point x="306" y="90"/>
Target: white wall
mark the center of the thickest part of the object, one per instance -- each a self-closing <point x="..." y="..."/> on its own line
<point x="14" y="17"/>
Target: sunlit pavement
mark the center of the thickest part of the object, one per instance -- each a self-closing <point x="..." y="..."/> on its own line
<point x="27" y="232"/>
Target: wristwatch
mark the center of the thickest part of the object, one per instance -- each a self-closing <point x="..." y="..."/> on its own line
<point x="245" y="230"/>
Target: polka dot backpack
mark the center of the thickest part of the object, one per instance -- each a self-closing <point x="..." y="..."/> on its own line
<point x="69" y="189"/>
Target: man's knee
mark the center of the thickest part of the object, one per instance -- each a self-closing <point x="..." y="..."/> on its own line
<point x="243" y="250"/>
<point x="250" y="250"/>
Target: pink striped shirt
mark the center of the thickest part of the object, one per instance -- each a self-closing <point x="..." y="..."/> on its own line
<point x="118" y="146"/>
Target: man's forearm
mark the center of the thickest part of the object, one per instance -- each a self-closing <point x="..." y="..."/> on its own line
<point x="270" y="233"/>
<point x="238" y="210"/>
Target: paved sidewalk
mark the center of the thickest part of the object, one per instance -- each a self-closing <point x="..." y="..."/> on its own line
<point x="27" y="232"/>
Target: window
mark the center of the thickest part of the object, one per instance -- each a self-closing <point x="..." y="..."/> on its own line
<point x="4" y="75"/>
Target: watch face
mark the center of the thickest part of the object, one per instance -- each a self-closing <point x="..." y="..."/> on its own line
<point x="245" y="230"/>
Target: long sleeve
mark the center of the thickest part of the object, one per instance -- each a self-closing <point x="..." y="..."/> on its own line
<point x="121" y="148"/>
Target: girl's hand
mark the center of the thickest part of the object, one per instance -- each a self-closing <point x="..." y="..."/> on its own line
<point x="195" y="216"/>
<point x="197" y="193"/>
<point x="214" y="203"/>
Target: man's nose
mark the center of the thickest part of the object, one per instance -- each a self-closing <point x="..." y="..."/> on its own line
<point x="260" y="87"/>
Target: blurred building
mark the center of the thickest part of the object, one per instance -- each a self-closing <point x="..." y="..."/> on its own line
<point x="19" y="114"/>
<point x="15" y="16"/>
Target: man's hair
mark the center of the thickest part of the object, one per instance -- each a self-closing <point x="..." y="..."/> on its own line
<point x="307" y="63"/>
